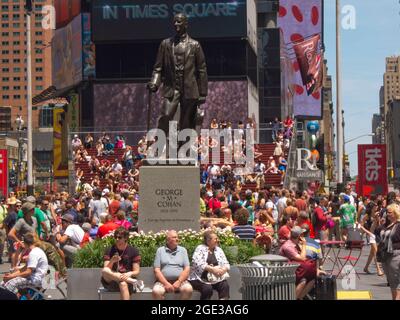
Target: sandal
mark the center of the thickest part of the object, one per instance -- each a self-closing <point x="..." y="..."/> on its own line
<point x="381" y="274"/>
<point x="367" y="271"/>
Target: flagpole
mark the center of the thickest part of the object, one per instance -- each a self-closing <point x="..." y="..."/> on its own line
<point x="29" y="95"/>
<point x="339" y="128"/>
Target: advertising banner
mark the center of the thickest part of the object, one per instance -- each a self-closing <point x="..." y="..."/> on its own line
<point x="60" y="150"/>
<point x="4" y="172"/>
<point x="372" y="170"/>
<point x="88" y="47"/>
<point x="309" y="60"/>
<point x="300" y="20"/>
<point x="118" y="20"/>
<point x="67" y="54"/>
<point x="73" y="113"/>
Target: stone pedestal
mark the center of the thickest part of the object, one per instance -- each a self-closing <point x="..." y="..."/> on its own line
<point x="169" y="198"/>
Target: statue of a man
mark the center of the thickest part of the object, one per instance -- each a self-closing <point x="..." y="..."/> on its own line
<point x="181" y="68"/>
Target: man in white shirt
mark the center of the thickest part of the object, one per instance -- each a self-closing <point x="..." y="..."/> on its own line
<point x="33" y="274"/>
<point x="71" y="239"/>
<point x="116" y="170"/>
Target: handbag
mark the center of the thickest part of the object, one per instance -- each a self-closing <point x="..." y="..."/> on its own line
<point x="382" y="255"/>
<point x="214" y="279"/>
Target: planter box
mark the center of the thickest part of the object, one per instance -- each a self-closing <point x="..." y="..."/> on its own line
<point x="84" y="283"/>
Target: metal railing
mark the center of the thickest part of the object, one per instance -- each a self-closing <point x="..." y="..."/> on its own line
<point x="290" y="175"/>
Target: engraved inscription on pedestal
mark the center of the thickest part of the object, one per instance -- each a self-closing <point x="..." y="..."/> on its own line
<point x="169" y="198"/>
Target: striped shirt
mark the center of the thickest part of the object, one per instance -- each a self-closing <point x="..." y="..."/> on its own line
<point x="313" y="249"/>
<point x="244" y="232"/>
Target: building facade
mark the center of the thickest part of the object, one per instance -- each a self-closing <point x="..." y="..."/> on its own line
<point x="391" y="91"/>
<point x="13" y="82"/>
<point x="393" y="141"/>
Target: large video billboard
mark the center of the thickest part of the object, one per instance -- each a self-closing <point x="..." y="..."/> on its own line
<point x="118" y="20"/>
<point x="226" y="100"/>
<point x="67" y="54"/>
<point x="298" y="20"/>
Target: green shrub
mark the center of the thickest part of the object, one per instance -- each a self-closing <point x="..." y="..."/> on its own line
<point x="91" y="256"/>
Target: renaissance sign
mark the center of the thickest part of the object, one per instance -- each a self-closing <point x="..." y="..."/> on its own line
<point x="307" y="169"/>
<point x="151" y="20"/>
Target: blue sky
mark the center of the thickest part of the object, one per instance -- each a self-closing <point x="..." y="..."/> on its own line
<point x="377" y="35"/>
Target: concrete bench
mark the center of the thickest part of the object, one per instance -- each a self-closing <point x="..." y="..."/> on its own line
<point x="85" y="284"/>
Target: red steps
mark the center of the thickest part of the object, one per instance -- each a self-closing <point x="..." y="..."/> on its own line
<point x="267" y="151"/>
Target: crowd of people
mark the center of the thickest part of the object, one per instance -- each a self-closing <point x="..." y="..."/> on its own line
<point x="296" y="225"/>
<point x="284" y="222"/>
<point x="50" y="229"/>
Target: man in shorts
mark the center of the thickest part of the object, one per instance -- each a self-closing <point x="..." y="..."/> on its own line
<point x="171" y="269"/>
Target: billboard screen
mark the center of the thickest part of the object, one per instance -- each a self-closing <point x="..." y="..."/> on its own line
<point x="298" y="20"/>
<point x="372" y="170"/>
<point x="118" y="20"/>
<point x="67" y="54"/>
<point x="226" y="100"/>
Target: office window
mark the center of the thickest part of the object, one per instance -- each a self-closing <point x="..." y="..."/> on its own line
<point x="5" y="60"/>
<point x="5" y="70"/>
<point x="16" y="60"/>
<point x="5" y="43"/>
<point x="46" y="117"/>
<point x="5" y="25"/>
<point x="16" y="43"/>
<point x="6" y="88"/>
<point x="5" y="79"/>
<point x="17" y="69"/>
<point x="17" y="88"/>
<point x="16" y="25"/>
<point x="17" y="96"/>
<point x="39" y="69"/>
<point x="17" y="79"/>
<point x="6" y="97"/>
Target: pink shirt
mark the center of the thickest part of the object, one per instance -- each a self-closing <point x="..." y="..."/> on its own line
<point x="289" y="250"/>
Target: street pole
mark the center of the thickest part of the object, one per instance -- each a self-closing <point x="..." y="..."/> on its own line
<point x="339" y="136"/>
<point x="29" y="98"/>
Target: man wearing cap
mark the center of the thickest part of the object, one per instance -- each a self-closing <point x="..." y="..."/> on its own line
<point x="39" y="216"/>
<point x="86" y="227"/>
<point x="3" y="235"/>
<point x="26" y="224"/>
<point x="295" y="249"/>
<point x="347" y="214"/>
<point x="34" y="272"/>
<point x="71" y="239"/>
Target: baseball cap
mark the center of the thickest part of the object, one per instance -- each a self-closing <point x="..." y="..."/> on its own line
<point x="68" y="218"/>
<point x="346" y="198"/>
<point x="86" y="226"/>
<point x="31" y="199"/>
<point x="296" y="232"/>
<point x="105" y="191"/>
<point x="27" y="207"/>
<point x="210" y="194"/>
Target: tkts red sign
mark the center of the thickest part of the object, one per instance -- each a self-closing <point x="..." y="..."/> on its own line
<point x="372" y="170"/>
<point x="3" y="173"/>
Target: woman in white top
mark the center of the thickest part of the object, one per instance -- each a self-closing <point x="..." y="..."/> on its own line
<point x="209" y="269"/>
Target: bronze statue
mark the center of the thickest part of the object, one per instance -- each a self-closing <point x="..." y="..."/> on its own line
<point x="181" y="68"/>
